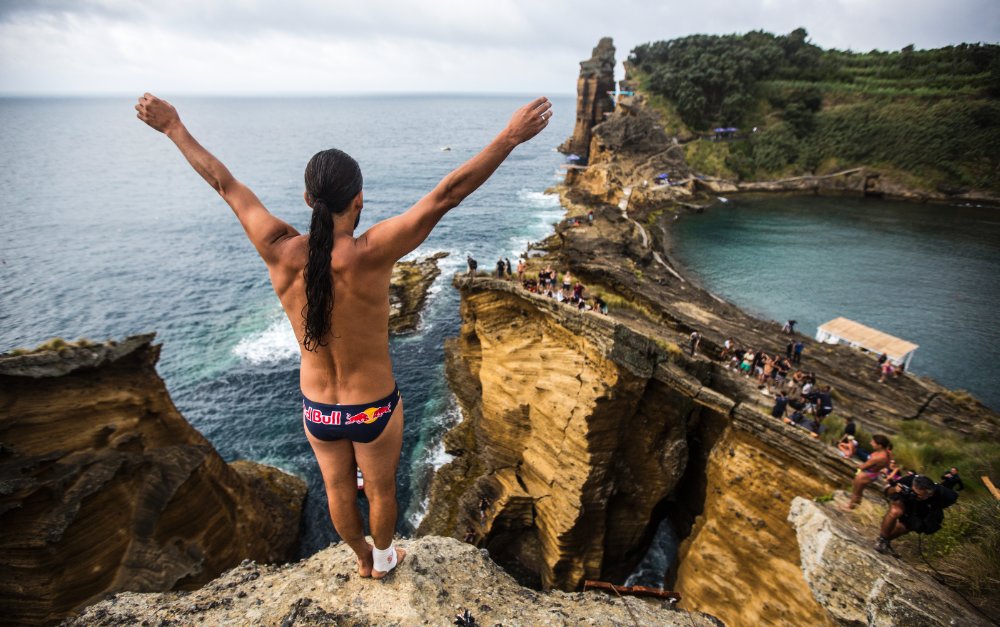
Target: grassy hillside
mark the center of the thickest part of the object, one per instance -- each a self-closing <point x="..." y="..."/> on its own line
<point x="930" y="116"/>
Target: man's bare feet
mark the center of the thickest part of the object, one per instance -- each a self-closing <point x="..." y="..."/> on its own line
<point x="393" y="563"/>
<point x="850" y="507"/>
<point x="365" y="563"/>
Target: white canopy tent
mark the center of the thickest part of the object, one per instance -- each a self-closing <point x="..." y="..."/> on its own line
<point x="844" y="331"/>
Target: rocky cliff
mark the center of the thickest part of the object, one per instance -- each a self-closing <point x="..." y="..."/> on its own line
<point x="582" y="432"/>
<point x="408" y="291"/>
<point x="105" y="487"/>
<point x="597" y="78"/>
<point x="861" y="587"/>
<point x="439" y="579"/>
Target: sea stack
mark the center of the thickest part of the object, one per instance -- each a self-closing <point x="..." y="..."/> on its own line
<point x="597" y="78"/>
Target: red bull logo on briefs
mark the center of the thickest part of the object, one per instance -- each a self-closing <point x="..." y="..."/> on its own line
<point x="368" y="416"/>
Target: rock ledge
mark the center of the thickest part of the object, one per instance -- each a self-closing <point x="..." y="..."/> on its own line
<point x="439" y="578"/>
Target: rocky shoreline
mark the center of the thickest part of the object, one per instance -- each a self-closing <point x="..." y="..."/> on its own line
<point x="582" y="432"/>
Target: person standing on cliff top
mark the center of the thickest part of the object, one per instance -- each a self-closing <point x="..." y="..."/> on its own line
<point x="334" y="288"/>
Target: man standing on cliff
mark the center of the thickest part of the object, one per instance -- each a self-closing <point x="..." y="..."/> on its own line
<point x="334" y="288"/>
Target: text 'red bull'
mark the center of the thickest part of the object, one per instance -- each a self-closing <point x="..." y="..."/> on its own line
<point x="336" y="418"/>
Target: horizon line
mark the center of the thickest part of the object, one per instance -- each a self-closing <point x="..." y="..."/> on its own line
<point x="357" y="94"/>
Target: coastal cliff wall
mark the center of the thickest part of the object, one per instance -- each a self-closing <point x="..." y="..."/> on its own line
<point x="105" y="486"/>
<point x="583" y="433"/>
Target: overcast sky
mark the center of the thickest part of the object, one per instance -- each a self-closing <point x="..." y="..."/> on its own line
<point x="333" y="47"/>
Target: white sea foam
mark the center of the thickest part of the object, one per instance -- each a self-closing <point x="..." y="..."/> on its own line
<point x="547" y="212"/>
<point x="430" y="460"/>
<point x="274" y="344"/>
<point x="538" y="199"/>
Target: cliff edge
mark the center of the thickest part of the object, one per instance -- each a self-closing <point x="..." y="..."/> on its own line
<point x="105" y="487"/>
<point x="439" y="579"/>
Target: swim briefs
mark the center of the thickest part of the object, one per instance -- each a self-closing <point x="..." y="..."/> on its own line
<point x="357" y="423"/>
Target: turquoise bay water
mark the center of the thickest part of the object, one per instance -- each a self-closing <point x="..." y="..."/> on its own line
<point x="925" y="273"/>
<point x="108" y="232"/>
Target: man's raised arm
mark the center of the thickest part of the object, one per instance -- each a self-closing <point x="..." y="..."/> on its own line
<point x="395" y="237"/>
<point x="265" y="231"/>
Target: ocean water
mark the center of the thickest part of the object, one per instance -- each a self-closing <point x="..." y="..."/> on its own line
<point x="108" y="232"/>
<point x="927" y="273"/>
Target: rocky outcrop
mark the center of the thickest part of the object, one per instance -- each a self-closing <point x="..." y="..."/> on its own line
<point x="105" y="487"/>
<point x="408" y="291"/>
<point x="597" y="78"/>
<point x="861" y="587"/>
<point x="439" y="579"/>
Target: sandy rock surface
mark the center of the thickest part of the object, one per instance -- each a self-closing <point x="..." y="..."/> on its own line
<point x="438" y="579"/>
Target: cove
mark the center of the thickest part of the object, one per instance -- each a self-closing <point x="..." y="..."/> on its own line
<point x="923" y="272"/>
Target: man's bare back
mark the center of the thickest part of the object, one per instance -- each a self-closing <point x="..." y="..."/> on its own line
<point x="351" y="365"/>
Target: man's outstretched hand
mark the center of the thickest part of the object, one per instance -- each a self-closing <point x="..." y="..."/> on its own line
<point x="529" y="120"/>
<point x="157" y="113"/>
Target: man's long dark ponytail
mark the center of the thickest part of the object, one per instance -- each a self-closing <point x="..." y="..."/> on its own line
<point x="333" y="180"/>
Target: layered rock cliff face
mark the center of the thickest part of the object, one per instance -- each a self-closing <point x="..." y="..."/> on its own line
<point x="105" y="486"/>
<point x="439" y="579"/>
<point x="583" y="431"/>
<point x="597" y="78"/>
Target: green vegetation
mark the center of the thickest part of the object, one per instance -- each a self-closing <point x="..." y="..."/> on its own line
<point x="931" y="113"/>
<point x="708" y="158"/>
<point x="56" y="344"/>
<point x="966" y="551"/>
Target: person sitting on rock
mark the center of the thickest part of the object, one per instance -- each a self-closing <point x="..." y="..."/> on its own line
<point x="780" y="406"/>
<point x="824" y="402"/>
<point x="847" y="446"/>
<point x="893" y="474"/>
<point x="850" y="427"/>
<point x="869" y="470"/>
<point x="600" y="305"/>
<point x="916" y="504"/>
<point x="952" y="480"/>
